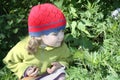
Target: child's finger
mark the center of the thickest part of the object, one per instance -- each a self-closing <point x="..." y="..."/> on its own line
<point x="51" y="70"/>
<point x="57" y="64"/>
<point x="35" y="73"/>
<point x="54" y="63"/>
<point x="30" y="70"/>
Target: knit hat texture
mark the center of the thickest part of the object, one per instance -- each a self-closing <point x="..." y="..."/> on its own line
<point x="44" y="19"/>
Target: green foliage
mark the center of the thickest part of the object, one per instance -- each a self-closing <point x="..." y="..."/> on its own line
<point x="87" y="22"/>
<point x="11" y="31"/>
<point x="91" y="34"/>
<point x="96" y="38"/>
<point x="13" y="23"/>
<point x="98" y="63"/>
<point x="5" y="74"/>
<point x="79" y="73"/>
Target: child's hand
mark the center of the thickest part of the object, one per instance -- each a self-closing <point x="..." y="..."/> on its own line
<point x="32" y="71"/>
<point x="28" y="78"/>
<point x="55" y="66"/>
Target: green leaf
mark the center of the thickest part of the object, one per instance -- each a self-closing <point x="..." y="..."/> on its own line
<point x="10" y="22"/>
<point x="15" y="30"/>
<point x="73" y="11"/>
<point x="118" y="59"/>
<point x="59" y="3"/>
<point x="73" y="25"/>
<point x="111" y="77"/>
<point x="79" y="55"/>
<point x="82" y="27"/>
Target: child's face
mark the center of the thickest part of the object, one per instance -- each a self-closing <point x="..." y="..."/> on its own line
<point x="53" y="39"/>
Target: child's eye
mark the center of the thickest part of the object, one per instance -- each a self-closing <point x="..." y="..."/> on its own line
<point x="55" y="34"/>
<point x="62" y="30"/>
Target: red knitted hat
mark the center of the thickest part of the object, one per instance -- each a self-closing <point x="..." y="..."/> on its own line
<point x="44" y="19"/>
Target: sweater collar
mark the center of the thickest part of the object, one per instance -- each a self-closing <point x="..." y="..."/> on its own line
<point x="48" y="48"/>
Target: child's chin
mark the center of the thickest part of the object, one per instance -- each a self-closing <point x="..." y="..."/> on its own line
<point x="55" y="45"/>
<point x="58" y="45"/>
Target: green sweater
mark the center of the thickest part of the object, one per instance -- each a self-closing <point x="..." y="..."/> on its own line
<point x="18" y="59"/>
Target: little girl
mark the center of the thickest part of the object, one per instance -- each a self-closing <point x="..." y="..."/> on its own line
<point x="43" y="55"/>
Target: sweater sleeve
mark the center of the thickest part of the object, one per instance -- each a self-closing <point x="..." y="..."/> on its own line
<point x="14" y="61"/>
<point x="65" y="56"/>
